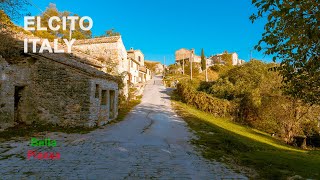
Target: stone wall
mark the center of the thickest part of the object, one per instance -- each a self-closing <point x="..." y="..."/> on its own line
<point x="51" y="92"/>
<point x="111" y="53"/>
<point x="108" y="53"/>
<point x="136" y="55"/>
<point x="184" y="54"/>
<point x="134" y="71"/>
<point x="99" y="112"/>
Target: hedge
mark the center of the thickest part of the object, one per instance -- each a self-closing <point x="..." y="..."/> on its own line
<point x="202" y="101"/>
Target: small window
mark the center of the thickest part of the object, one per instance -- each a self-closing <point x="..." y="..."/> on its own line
<point x="112" y="112"/>
<point x="97" y="91"/>
<point x="139" y="58"/>
<point x="104" y="97"/>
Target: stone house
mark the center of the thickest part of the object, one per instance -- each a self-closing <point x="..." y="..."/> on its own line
<point x="148" y="74"/>
<point x="216" y="59"/>
<point x="134" y="77"/>
<point x="111" y="53"/>
<point x="137" y="55"/>
<point x="185" y="54"/>
<point x="144" y="74"/>
<point x="56" y="89"/>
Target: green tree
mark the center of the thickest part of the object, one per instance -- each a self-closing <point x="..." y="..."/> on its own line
<point x="110" y="33"/>
<point x="8" y="45"/>
<point x="292" y="36"/>
<point x="260" y="102"/>
<point x="203" y="61"/>
<point x="52" y="10"/>
<point x="227" y="58"/>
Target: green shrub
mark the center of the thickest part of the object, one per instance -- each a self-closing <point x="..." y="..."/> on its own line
<point x="204" y="102"/>
<point x="255" y="99"/>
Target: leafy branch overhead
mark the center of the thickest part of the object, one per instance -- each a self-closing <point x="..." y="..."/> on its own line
<point x="292" y="37"/>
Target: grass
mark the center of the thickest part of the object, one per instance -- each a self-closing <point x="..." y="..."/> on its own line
<point x="248" y="150"/>
<point x="28" y="131"/>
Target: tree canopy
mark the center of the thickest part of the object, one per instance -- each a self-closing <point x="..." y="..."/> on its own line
<point x="292" y="36"/>
<point x="52" y="10"/>
<point x="110" y="33"/>
<point x="227" y="58"/>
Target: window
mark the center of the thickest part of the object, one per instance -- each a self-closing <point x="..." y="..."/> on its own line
<point x="104" y="97"/>
<point x="97" y="91"/>
<point x="112" y="104"/>
<point x="139" y="58"/>
<point x="132" y="64"/>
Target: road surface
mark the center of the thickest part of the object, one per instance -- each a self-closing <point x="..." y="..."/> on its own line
<point x="151" y="143"/>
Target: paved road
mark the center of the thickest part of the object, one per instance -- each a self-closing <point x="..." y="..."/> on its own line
<point x="151" y="143"/>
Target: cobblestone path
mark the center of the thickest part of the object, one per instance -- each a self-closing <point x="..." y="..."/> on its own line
<point x="151" y="143"/>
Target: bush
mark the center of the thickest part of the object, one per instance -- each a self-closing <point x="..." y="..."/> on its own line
<point x="204" y="102"/>
<point x="258" y="101"/>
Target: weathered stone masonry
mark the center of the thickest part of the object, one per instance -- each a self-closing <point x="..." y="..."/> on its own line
<point x="57" y="90"/>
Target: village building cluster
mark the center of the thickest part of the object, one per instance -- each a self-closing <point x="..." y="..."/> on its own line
<point x="187" y="55"/>
<point x="77" y="89"/>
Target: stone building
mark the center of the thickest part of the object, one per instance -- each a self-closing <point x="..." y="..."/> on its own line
<point x="137" y="62"/>
<point x="185" y="54"/>
<point x="56" y="89"/>
<point x="134" y="77"/>
<point x="145" y="74"/>
<point x="137" y="55"/>
<point x="111" y="53"/>
<point x="217" y="59"/>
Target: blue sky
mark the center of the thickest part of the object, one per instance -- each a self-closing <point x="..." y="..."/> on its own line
<point x="158" y="28"/>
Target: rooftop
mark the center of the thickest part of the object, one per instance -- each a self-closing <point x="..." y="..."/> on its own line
<point x="112" y="39"/>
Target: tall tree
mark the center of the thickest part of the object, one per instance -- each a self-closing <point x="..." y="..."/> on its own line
<point x="292" y="36"/>
<point x="203" y="60"/>
<point x="52" y="10"/>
